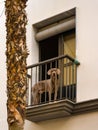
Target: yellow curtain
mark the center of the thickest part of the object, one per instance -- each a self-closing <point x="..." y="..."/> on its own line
<point x="69" y="49"/>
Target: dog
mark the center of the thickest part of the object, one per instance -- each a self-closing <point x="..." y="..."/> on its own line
<point x="50" y="85"/>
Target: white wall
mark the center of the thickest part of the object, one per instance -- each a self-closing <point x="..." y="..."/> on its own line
<point x="77" y="122"/>
<point x="87" y="40"/>
<point x="3" y="112"/>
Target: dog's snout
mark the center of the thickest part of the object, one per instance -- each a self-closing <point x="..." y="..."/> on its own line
<point x="54" y="74"/>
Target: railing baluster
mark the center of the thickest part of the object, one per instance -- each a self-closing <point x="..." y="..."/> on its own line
<point x="61" y="78"/>
<point x="40" y="78"/>
<point x="75" y="86"/>
<point x="56" y="64"/>
<point x="36" y="75"/>
<point x="45" y="84"/>
<point x="30" y="89"/>
<point x="66" y="79"/>
<point x="69" y="74"/>
<point x="51" y="64"/>
<point x="27" y="84"/>
<point x="73" y="82"/>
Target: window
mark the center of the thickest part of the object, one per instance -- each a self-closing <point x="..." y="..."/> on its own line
<point x="61" y="44"/>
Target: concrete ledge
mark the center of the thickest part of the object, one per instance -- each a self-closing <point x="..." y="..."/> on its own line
<point x="58" y="109"/>
<point x="86" y="106"/>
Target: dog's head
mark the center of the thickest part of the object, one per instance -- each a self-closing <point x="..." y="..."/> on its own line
<point x="53" y="72"/>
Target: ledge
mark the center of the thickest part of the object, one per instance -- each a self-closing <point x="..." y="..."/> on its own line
<point x="58" y="109"/>
<point x="55" y="19"/>
<point x="86" y="106"/>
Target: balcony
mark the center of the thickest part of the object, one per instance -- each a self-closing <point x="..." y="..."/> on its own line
<point x="66" y="94"/>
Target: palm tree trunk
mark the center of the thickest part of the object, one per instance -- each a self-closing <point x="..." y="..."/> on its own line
<point x="16" y="53"/>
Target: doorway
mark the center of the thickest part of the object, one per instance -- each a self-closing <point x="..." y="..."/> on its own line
<point x="48" y="48"/>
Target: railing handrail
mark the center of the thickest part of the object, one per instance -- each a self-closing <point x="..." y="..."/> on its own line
<point x="53" y="59"/>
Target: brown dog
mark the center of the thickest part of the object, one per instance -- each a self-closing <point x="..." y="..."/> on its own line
<point x="49" y="85"/>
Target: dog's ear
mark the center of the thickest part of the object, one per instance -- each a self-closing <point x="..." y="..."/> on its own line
<point x="49" y="72"/>
<point x="58" y="71"/>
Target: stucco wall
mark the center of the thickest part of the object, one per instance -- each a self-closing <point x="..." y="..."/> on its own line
<point x="3" y="112"/>
<point x="77" y="122"/>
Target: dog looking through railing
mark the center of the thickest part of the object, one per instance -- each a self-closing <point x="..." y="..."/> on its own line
<point x="44" y="89"/>
<point x="48" y="85"/>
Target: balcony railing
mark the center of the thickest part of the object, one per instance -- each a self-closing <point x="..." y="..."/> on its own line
<point x="67" y="79"/>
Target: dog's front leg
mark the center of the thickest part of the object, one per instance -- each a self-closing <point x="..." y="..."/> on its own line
<point x="35" y="98"/>
<point x="55" y="95"/>
<point x="49" y="96"/>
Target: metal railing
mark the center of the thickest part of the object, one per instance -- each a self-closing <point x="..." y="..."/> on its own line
<point x="67" y="78"/>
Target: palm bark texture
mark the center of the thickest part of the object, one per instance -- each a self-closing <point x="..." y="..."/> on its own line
<point x="16" y="53"/>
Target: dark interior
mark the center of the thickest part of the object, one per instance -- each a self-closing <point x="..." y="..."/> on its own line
<point x="48" y="48"/>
